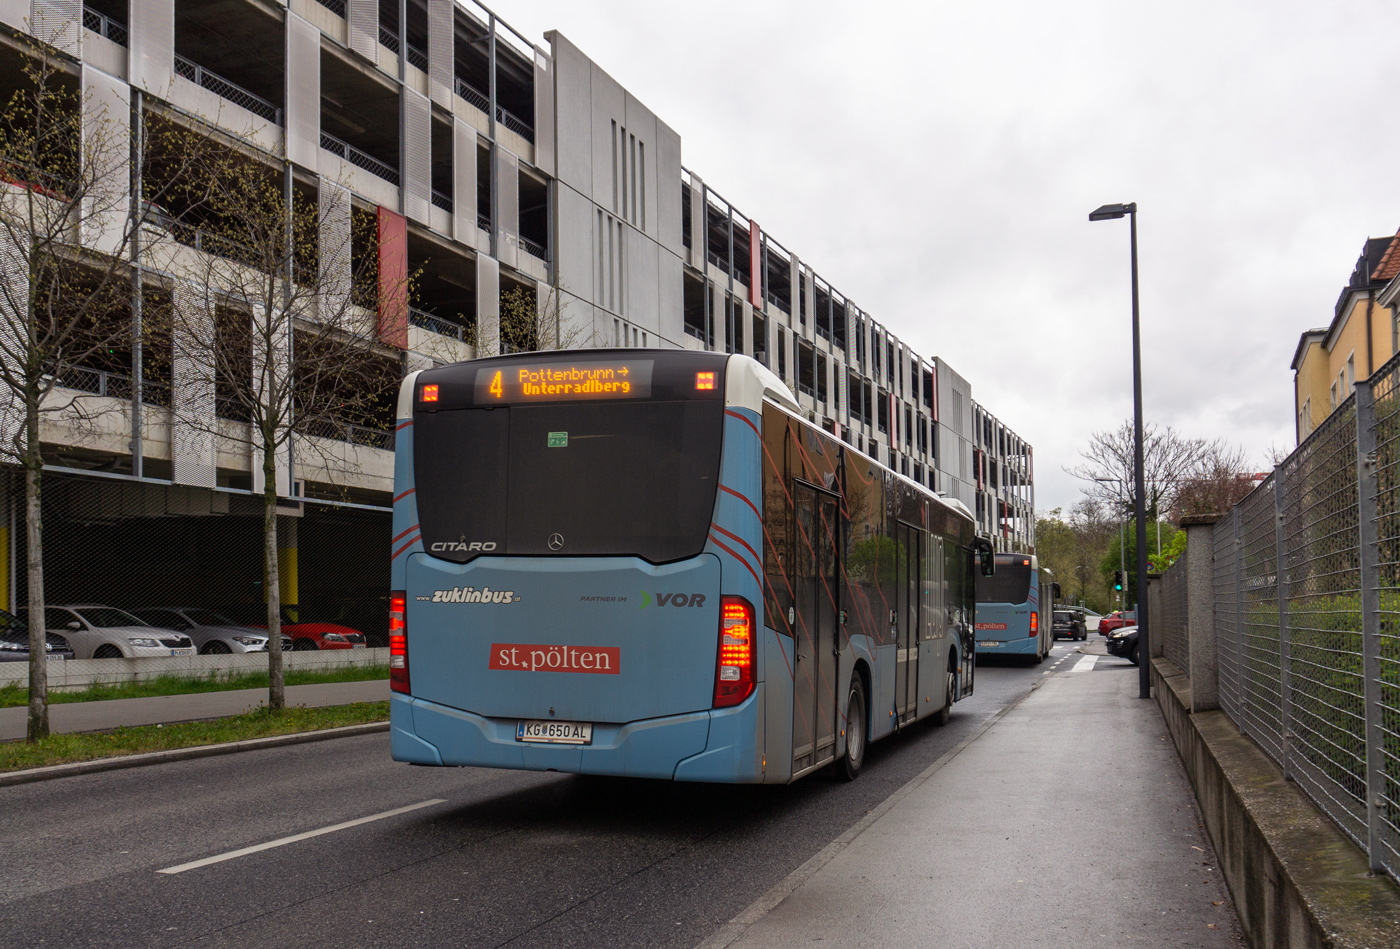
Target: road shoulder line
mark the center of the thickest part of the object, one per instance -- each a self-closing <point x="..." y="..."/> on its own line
<point x="730" y="932"/>
<point x="29" y="775"/>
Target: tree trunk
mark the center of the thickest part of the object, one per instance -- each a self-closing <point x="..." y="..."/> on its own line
<point x="34" y="566"/>
<point x="276" y="679"/>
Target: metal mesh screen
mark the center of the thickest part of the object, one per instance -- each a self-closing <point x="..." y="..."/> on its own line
<point x="1386" y="680"/>
<point x="1322" y="662"/>
<point x="139" y="546"/>
<point x="1225" y="584"/>
<point x="1172" y="621"/>
<point x="1318" y="688"/>
<point x="1261" y="703"/>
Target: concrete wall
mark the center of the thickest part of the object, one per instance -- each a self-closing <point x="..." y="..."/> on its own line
<point x="1297" y="881"/>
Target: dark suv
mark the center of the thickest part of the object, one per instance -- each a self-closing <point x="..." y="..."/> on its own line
<point x="1069" y="624"/>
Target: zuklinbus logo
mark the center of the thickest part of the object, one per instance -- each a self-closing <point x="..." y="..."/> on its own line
<point x="523" y="657"/>
<point x="473" y="595"/>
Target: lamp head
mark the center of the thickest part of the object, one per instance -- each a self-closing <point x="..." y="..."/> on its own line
<point x="1110" y="212"/>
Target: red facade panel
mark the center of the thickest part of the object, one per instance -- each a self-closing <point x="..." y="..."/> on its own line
<point x="393" y="279"/>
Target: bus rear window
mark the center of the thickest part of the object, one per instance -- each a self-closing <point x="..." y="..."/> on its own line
<point x="1010" y="584"/>
<point x="580" y="479"/>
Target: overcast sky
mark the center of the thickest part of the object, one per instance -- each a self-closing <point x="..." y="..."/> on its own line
<point x="936" y="162"/>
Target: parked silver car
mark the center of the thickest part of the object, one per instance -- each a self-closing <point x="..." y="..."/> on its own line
<point x="95" y="631"/>
<point x="213" y="633"/>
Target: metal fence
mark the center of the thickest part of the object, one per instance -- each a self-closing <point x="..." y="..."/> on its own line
<point x="148" y="544"/>
<point x="226" y="89"/>
<point x="1170" y="624"/>
<point x="1306" y="589"/>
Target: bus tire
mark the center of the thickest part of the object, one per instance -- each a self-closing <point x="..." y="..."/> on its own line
<point x="946" y="712"/>
<point x="856" y="709"/>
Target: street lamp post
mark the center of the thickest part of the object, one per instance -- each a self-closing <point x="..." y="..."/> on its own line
<point x="1110" y="212"/>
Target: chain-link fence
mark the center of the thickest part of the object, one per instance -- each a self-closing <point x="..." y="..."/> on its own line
<point x="1306" y="588"/>
<point x="189" y="562"/>
<point x="1225" y="584"/>
<point x="1170" y="623"/>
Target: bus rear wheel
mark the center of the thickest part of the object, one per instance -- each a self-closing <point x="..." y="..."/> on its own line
<point x="941" y="717"/>
<point x="854" y="760"/>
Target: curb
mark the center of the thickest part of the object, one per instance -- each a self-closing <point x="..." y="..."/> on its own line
<point x="184" y="754"/>
<point x="731" y="931"/>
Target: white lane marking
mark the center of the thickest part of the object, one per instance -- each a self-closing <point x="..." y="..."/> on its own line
<point x="1085" y="664"/>
<point x="282" y="842"/>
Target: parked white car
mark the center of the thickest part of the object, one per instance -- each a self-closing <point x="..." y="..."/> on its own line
<point x="213" y="633"/>
<point x="104" y="632"/>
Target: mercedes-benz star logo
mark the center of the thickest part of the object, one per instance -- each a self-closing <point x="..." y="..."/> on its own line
<point x="556" y="541"/>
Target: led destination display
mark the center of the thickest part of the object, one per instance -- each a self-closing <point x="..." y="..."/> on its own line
<point x="557" y="381"/>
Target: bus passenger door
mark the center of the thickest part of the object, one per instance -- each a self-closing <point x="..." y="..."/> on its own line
<point x="906" y="678"/>
<point x="814" y="679"/>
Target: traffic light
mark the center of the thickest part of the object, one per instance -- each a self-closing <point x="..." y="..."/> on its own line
<point x="1118" y="581"/>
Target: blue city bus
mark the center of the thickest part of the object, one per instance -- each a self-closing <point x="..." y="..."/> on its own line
<point x="647" y="563"/>
<point x="1015" y="608"/>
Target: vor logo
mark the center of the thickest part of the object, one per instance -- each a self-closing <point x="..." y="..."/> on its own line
<point x="672" y="599"/>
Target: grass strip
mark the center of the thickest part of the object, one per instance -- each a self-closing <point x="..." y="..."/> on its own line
<point x="15" y="695"/>
<point x="259" y="723"/>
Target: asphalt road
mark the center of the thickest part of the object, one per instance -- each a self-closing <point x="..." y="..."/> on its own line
<point x="503" y="858"/>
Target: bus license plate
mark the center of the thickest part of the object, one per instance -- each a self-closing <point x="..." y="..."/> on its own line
<point x="988" y="643"/>
<point x="555" y="733"/>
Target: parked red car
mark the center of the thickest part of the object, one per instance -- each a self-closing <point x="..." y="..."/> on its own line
<point x="314" y="635"/>
<point x="1116" y="620"/>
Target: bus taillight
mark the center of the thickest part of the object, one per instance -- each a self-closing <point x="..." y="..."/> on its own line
<point x="736" y="665"/>
<point x="1035" y="624"/>
<point x="398" y="642"/>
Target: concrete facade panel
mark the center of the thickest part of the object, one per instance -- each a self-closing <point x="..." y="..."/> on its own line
<point x="58" y="23"/>
<point x="641" y="122"/>
<point x="15" y="14"/>
<point x="464" y="157"/>
<point x="697" y="224"/>
<point x="106" y="122"/>
<point x="573" y="109"/>
<point x="670" y="317"/>
<point x="417" y="170"/>
<point x="609" y="106"/>
<point x="573" y="252"/>
<point x="441" y="39"/>
<point x="362" y="17"/>
<point x="643" y="291"/>
<point x="544" y="113"/>
<point x="488" y="306"/>
<point x="668" y="189"/>
<point x="505" y="203"/>
<point x="152" y="38"/>
<point x="303" y="93"/>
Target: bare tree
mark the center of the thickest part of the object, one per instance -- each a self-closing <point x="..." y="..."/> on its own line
<point x="1219" y="481"/>
<point x="274" y="351"/>
<point x="1168" y="460"/>
<point x="530" y="322"/>
<point x="68" y="232"/>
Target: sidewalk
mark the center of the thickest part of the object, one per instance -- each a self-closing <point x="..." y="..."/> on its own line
<point x="96" y="716"/>
<point x="1068" y="823"/>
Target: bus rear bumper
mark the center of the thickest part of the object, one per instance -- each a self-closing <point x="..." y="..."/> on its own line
<point x="423" y="732"/>
<point x="1011" y="647"/>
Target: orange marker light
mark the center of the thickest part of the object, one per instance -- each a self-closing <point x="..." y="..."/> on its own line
<point x="430" y="393"/>
<point x="704" y="381"/>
